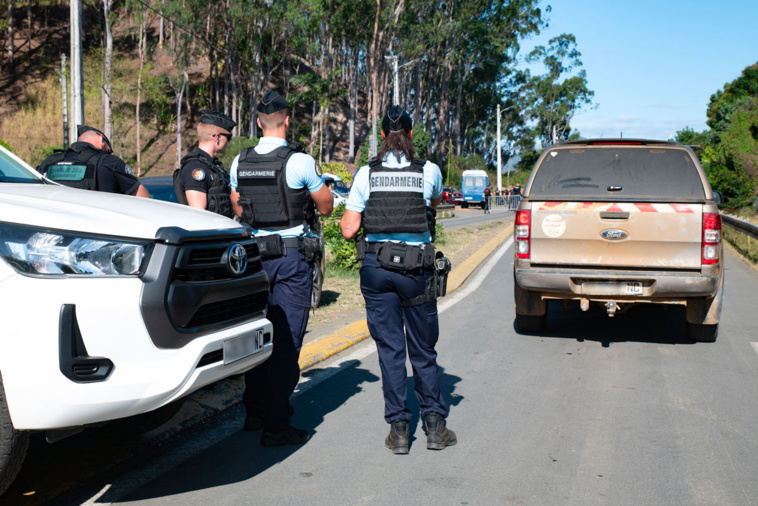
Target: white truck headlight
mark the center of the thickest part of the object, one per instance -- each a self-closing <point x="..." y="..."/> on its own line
<point x="38" y="251"/>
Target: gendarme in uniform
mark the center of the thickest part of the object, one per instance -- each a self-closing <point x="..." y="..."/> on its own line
<point x="274" y="186"/>
<point x="392" y="198"/>
<point x="201" y="171"/>
<point x="89" y="165"/>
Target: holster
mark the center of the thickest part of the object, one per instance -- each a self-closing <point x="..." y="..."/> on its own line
<point x="312" y="249"/>
<point x="360" y="247"/>
<point x="436" y="284"/>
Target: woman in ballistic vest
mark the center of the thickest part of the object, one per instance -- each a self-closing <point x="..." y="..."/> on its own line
<point x="202" y="181"/>
<point x="392" y="198"/>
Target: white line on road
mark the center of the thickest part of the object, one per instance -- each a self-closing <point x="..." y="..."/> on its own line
<point x="755" y="347"/>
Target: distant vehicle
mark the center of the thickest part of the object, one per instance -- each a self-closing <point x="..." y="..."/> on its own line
<point x="473" y="183"/>
<point x="615" y="223"/>
<point x="447" y="192"/>
<point x="162" y="188"/>
<point x="456" y="197"/>
<point x="335" y="183"/>
<point x="338" y="198"/>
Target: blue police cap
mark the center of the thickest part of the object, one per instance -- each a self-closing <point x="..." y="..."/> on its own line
<point x="218" y="119"/>
<point x="272" y="102"/>
<point x="396" y="119"/>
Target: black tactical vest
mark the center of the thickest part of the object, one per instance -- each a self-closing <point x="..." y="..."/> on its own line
<point x="396" y="199"/>
<point x="267" y="202"/>
<point x="219" y="198"/>
<point x="75" y="167"/>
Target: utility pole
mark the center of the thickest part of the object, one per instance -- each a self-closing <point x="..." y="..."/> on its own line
<point x="77" y="74"/>
<point x="64" y="92"/>
<point x="499" y="164"/>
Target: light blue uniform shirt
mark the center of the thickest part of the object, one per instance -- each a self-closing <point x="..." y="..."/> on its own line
<point x="300" y="173"/>
<point x="361" y="189"/>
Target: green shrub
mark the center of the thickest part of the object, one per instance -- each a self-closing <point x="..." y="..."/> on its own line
<point x="235" y="147"/>
<point x="341" y="251"/>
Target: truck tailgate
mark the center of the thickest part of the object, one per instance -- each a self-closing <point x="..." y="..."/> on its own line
<point x="617" y="235"/>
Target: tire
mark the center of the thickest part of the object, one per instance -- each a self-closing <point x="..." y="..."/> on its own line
<point x="530" y="324"/>
<point x="464" y="205"/>
<point x="318" y="282"/>
<point x="13" y="445"/>
<point x="701" y="333"/>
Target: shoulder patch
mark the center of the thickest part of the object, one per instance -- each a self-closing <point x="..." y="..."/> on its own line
<point x="318" y="169"/>
<point x="198" y="174"/>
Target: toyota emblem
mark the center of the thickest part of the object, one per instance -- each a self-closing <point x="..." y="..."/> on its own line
<point x="237" y="259"/>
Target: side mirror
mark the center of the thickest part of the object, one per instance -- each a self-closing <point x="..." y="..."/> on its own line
<point x="718" y="198"/>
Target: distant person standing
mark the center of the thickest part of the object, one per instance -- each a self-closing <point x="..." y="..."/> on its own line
<point x="201" y="181"/>
<point x="90" y="164"/>
<point x="487" y="195"/>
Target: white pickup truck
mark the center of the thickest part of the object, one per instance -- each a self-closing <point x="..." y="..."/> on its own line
<point x="114" y="306"/>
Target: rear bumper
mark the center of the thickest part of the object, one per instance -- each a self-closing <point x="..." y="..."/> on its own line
<point x="562" y="283"/>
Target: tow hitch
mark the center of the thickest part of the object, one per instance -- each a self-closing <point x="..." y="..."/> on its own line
<point x="611" y="307"/>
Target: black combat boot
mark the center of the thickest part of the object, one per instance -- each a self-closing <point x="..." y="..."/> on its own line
<point x="399" y="437"/>
<point x="437" y="435"/>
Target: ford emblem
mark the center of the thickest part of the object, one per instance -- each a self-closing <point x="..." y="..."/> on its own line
<point x="613" y="234"/>
<point x="236" y="260"/>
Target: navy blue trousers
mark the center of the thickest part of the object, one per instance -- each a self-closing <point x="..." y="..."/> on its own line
<point x="269" y="386"/>
<point x="394" y="328"/>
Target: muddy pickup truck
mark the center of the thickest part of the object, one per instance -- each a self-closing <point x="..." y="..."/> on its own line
<point x="618" y="223"/>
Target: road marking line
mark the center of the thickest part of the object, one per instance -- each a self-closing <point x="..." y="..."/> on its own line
<point x="755" y="347"/>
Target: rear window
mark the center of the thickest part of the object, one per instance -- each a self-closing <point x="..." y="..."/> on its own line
<point x="471" y="181"/>
<point x="618" y="173"/>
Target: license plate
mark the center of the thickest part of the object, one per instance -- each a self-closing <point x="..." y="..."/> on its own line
<point x="633" y="288"/>
<point x="242" y="346"/>
<point x="612" y="288"/>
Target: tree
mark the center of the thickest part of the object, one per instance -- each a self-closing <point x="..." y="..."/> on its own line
<point x="553" y="97"/>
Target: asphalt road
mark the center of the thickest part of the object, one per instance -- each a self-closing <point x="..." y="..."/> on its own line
<point x="598" y="410"/>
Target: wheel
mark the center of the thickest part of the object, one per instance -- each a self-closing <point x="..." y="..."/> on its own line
<point x="464" y="205"/>
<point x="13" y="445"/>
<point x="530" y="324"/>
<point x="318" y="282"/>
<point x="702" y="333"/>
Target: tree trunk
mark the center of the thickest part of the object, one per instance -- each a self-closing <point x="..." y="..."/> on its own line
<point x="141" y="47"/>
<point x="353" y="105"/>
<point x="161" y="25"/>
<point x="10" y="33"/>
<point x="107" y="70"/>
<point x="256" y="87"/>
<point x="179" y="94"/>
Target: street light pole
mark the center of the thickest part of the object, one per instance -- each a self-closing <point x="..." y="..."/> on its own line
<point x="499" y="165"/>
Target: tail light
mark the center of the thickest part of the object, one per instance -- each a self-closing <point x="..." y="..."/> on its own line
<point x="711" y="238"/>
<point x="522" y="232"/>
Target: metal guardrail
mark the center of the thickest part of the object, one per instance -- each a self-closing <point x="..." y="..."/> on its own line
<point x="742" y="226"/>
<point x="445" y="210"/>
<point x="505" y="201"/>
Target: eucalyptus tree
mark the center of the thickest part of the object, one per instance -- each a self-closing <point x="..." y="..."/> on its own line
<point x="556" y="96"/>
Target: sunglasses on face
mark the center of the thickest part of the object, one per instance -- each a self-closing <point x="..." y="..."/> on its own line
<point x="228" y="136"/>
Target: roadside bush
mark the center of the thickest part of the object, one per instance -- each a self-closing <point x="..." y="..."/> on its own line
<point x="341" y="251"/>
<point x="235" y="147"/>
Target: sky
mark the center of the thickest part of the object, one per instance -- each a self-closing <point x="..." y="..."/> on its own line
<point x="653" y="65"/>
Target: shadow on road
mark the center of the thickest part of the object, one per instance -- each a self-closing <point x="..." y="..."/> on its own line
<point x="645" y="323"/>
<point x="241" y="457"/>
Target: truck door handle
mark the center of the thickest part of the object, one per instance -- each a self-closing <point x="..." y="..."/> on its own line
<point x="614" y="216"/>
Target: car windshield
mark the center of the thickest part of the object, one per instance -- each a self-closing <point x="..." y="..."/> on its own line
<point x="13" y="171"/>
<point x="618" y="173"/>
